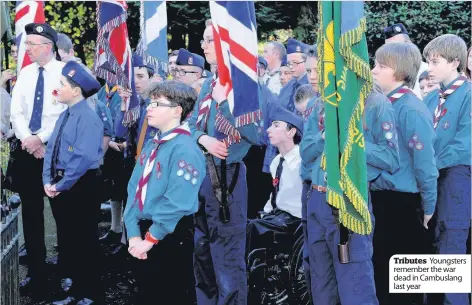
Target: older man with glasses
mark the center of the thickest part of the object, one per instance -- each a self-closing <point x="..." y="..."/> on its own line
<point x="34" y="112"/>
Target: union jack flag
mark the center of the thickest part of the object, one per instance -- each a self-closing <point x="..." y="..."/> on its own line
<point x="26" y="12"/>
<point x="153" y="42"/>
<point x="235" y="37"/>
<point x="113" y="55"/>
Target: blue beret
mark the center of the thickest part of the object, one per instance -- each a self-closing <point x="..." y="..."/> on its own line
<point x="82" y="76"/>
<point x="138" y="62"/>
<point x="394" y="30"/>
<point x="284" y="61"/>
<point x="281" y="114"/>
<point x="295" y="46"/>
<point x="42" y="29"/>
<point x="262" y="61"/>
<point x="207" y="74"/>
<point x="185" y="58"/>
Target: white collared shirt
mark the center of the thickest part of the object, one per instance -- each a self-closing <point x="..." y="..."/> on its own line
<point x="22" y="101"/>
<point x="289" y="197"/>
<point x="272" y="80"/>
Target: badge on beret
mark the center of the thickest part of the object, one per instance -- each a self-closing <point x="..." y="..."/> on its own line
<point x="298" y="49"/>
<point x="398" y="29"/>
<point x="39" y="29"/>
<point x="190" y="60"/>
<point x="71" y="73"/>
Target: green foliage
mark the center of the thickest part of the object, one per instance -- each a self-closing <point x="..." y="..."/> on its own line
<point x="424" y="20"/>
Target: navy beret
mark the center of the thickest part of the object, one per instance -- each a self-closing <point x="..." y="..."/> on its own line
<point x="42" y="29"/>
<point x="262" y="61"/>
<point x="186" y="58"/>
<point x="207" y="74"/>
<point x="138" y="62"/>
<point x="82" y="76"/>
<point x="281" y="114"/>
<point x="295" y="46"/>
<point x="394" y="30"/>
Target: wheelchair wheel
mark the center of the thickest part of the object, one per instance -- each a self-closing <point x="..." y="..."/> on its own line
<point x="300" y="291"/>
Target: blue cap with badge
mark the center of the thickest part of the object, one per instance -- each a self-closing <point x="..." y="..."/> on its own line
<point x="186" y="58"/>
<point x="42" y="29"/>
<point x="138" y="62"/>
<point x="295" y="46"/>
<point x="279" y="113"/>
<point x="82" y="76"/>
<point x="394" y="30"/>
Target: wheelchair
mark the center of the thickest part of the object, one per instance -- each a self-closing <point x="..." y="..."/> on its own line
<point x="275" y="269"/>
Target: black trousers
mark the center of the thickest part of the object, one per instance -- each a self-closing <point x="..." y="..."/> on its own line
<point x="259" y="184"/>
<point x="77" y="213"/>
<point x="166" y="276"/>
<point x="27" y="178"/>
<point x="398" y="230"/>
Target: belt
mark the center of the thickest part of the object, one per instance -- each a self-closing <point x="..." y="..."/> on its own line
<point x="319" y="188"/>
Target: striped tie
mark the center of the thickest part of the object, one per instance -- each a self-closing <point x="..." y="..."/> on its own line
<point x="440" y="111"/>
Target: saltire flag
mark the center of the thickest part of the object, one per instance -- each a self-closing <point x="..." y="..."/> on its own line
<point x="113" y="53"/>
<point x="26" y="12"/>
<point x="152" y="45"/>
<point x="235" y="38"/>
<point x="346" y="82"/>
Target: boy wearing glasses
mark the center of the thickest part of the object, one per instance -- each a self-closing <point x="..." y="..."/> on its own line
<point x="190" y="67"/>
<point x="162" y="196"/>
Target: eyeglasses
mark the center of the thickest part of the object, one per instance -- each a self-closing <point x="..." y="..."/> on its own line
<point x="155" y="104"/>
<point x="182" y="72"/>
<point x="30" y="44"/>
<point x="291" y="64"/>
<point x="207" y="41"/>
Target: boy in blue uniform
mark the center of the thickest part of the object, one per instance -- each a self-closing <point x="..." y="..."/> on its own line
<point x="133" y="126"/>
<point x="189" y="68"/>
<point x="162" y="196"/>
<point x="219" y="265"/>
<point x="70" y="179"/>
<point x="450" y="107"/>
<point x="408" y="194"/>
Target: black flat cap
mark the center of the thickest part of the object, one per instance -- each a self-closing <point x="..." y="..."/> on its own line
<point x="42" y="29"/>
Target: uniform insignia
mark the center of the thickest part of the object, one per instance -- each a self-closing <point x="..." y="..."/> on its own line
<point x="190" y="60"/>
<point x="39" y="29"/>
<point x="190" y="168"/>
<point x="419" y="146"/>
<point x="204" y="73"/>
<point x="391" y="144"/>
<point x="398" y="29"/>
<point x="446" y="125"/>
<point x="71" y="73"/>
<point x="158" y="170"/>
<point x="389" y="135"/>
<point x="386" y="126"/>
<point x="195" y="173"/>
<point x="194" y="181"/>
<point x="71" y="149"/>
<point x="141" y="159"/>
<point x="187" y="176"/>
<point x="411" y="144"/>
<point x="182" y="165"/>
<point x="153" y="133"/>
<point x="414" y="137"/>
<point x="325" y="176"/>
<point x="298" y="49"/>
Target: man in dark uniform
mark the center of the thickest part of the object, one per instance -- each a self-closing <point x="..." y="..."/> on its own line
<point x="33" y="115"/>
<point x="70" y="179"/>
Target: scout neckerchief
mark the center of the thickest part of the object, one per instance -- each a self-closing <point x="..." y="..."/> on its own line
<point x="403" y="90"/>
<point x="229" y="133"/>
<point x="109" y="93"/>
<point x="440" y="111"/>
<point x="141" y="189"/>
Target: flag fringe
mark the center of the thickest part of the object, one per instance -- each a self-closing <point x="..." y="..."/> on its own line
<point x="248" y="118"/>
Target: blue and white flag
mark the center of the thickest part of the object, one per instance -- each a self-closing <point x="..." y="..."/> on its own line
<point x="153" y="42"/>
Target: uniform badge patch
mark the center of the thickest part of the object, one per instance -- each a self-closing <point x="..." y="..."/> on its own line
<point x="388" y="135"/>
<point x="419" y="146"/>
<point x="71" y="73"/>
<point x="190" y="60"/>
<point x="182" y="165"/>
<point x="158" y="170"/>
<point x="71" y="149"/>
<point x="386" y="126"/>
<point x="153" y="133"/>
<point x="446" y="125"/>
<point x="39" y="29"/>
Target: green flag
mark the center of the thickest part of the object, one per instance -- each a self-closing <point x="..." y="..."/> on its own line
<point x="346" y="81"/>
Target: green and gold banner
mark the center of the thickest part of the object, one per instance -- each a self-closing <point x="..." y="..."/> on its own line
<point x="346" y="81"/>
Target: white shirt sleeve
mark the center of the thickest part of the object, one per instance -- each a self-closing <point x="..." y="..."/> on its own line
<point x="17" y="113"/>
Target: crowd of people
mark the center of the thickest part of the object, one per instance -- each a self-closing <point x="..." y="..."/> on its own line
<point x="182" y="200"/>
